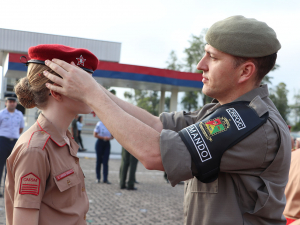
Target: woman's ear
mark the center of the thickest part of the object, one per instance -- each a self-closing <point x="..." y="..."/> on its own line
<point x="56" y="95"/>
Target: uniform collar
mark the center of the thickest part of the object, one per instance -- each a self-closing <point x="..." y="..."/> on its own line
<point x="7" y="112"/>
<point x="46" y="126"/>
<point x="262" y="91"/>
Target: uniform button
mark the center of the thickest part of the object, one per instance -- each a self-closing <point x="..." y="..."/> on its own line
<point x="76" y="161"/>
<point x="83" y="189"/>
<point x="69" y="182"/>
<point x="84" y="217"/>
<point x="42" y="132"/>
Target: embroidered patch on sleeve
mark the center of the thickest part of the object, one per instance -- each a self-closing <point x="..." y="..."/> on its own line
<point x="30" y="185"/>
<point x="64" y="174"/>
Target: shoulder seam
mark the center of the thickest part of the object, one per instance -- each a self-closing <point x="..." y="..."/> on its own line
<point x="32" y="136"/>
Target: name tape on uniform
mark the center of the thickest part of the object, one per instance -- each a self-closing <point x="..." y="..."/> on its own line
<point x="199" y="143"/>
<point x="30" y="185"/>
<point x="237" y="119"/>
<point x="64" y="174"/>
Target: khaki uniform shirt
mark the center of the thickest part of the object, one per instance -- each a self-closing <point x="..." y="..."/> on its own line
<point x="253" y="173"/>
<point x="43" y="173"/>
<point x="292" y="190"/>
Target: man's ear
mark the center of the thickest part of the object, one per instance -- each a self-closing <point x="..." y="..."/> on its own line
<point x="248" y="71"/>
<point x="56" y="95"/>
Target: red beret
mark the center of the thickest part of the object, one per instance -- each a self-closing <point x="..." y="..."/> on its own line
<point x="80" y="56"/>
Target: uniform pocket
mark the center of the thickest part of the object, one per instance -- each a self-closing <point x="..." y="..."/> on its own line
<point x="198" y="186"/>
<point x="5" y="122"/>
<point x="67" y="188"/>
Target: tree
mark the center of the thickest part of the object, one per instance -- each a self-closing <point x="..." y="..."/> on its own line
<point x="267" y="78"/>
<point x="190" y="100"/>
<point x="148" y="100"/>
<point x="167" y="104"/>
<point x="173" y="63"/>
<point x="279" y="97"/>
<point x="195" y="52"/>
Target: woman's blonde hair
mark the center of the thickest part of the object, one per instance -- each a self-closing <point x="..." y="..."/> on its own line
<point x="31" y="90"/>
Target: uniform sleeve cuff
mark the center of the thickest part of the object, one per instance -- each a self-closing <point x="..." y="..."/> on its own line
<point x="176" y="158"/>
<point x="163" y="119"/>
<point x="28" y="205"/>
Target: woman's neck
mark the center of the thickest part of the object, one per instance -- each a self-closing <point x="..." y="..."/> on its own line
<point x="61" y="119"/>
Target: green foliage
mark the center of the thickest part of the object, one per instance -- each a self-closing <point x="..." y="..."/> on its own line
<point x="190" y="100"/>
<point x="195" y="52"/>
<point x="173" y="63"/>
<point x="113" y="91"/>
<point x="206" y="99"/>
<point x="148" y="100"/>
<point x="279" y="97"/>
<point x="267" y="78"/>
<point x="167" y="104"/>
<point x="296" y="127"/>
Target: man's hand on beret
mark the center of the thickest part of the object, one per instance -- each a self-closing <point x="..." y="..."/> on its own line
<point x="75" y="82"/>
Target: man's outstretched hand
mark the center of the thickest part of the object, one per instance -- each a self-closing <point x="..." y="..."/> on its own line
<point x="75" y="82"/>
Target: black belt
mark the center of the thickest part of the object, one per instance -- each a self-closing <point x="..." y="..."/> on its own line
<point x="10" y="139"/>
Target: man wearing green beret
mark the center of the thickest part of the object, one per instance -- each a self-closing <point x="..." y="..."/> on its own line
<point x="233" y="154"/>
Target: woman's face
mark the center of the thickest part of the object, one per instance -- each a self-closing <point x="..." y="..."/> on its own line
<point x="76" y="107"/>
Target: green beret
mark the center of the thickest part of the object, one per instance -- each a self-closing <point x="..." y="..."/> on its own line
<point x="244" y="37"/>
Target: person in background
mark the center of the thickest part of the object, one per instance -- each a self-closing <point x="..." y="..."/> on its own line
<point x="74" y="132"/>
<point x="79" y="128"/>
<point x="102" y="148"/>
<point x="11" y="126"/>
<point x="128" y="161"/>
<point x="74" y="129"/>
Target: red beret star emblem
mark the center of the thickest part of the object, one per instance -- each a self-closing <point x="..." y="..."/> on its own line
<point x="81" y="60"/>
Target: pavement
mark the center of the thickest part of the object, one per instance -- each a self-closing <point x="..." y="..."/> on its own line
<point x="155" y="201"/>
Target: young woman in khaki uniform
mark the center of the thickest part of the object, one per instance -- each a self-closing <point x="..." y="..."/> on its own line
<point x="45" y="183"/>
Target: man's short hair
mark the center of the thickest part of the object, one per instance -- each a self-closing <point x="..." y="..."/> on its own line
<point x="263" y="64"/>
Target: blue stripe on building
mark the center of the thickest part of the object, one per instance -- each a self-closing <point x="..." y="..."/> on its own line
<point x="127" y="76"/>
<point x="147" y="78"/>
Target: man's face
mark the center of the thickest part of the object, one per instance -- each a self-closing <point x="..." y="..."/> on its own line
<point x="219" y="75"/>
<point x="11" y="105"/>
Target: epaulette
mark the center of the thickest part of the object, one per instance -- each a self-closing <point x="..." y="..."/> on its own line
<point x="38" y="139"/>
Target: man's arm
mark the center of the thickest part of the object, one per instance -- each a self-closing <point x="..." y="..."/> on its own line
<point x="140" y="114"/>
<point x="21" y="130"/>
<point x="139" y="138"/>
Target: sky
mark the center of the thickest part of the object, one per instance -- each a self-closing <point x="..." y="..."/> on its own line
<point x="150" y="30"/>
